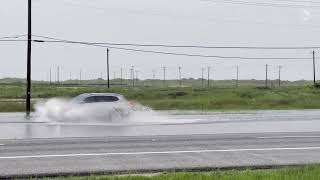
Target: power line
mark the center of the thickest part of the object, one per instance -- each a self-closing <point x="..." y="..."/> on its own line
<point x="264" y="4"/>
<point x="300" y="1"/>
<point x="232" y="2"/>
<point x="221" y="20"/>
<point x="189" y="55"/>
<point x="207" y="56"/>
<point x="12" y="37"/>
<point x="181" y="46"/>
<point x="83" y="6"/>
<point x="56" y="40"/>
<point x="13" y="40"/>
<point x="174" y="46"/>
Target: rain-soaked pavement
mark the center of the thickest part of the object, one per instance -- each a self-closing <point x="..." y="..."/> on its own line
<point x="157" y="141"/>
<point x="16" y="126"/>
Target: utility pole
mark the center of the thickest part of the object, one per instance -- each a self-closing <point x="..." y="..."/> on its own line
<point x="108" y="70"/>
<point x="280" y="76"/>
<point x="314" y="68"/>
<point x="80" y="77"/>
<point x="153" y="74"/>
<point x="137" y="77"/>
<point x="164" y="76"/>
<point x="58" y="75"/>
<point x="153" y="77"/>
<point x="266" y="75"/>
<point x="121" y="79"/>
<point x="202" y="78"/>
<point x="237" y="75"/>
<point x="70" y="76"/>
<point x="28" y="93"/>
<point x="208" y="77"/>
<point x="132" y="75"/>
<point x="50" y="76"/>
<point x="180" y="80"/>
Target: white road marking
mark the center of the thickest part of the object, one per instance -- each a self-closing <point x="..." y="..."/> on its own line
<point x="281" y="137"/>
<point x="160" y="152"/>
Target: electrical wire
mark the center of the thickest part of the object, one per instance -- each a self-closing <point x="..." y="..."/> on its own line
<point x="185" y="46"/>
<point x="13" y="40"/>
<point x="297" y="27"/>
<point x="56" y="40"/>
<point x="300" y="1"/>
<point x="172" y="53"/>
<point x="12" y="37"/>
<point x="262" y="4"/>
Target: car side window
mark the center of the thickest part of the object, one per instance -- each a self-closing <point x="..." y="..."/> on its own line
<point x="108" y="98"/>
<point x="97" y="99"/>
<point x="90" y="99"/>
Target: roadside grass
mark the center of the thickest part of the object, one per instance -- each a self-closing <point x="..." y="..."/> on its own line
<point x="182" y="98"/>
<point x="12" y="107"/>
<point x="293" y="173"/>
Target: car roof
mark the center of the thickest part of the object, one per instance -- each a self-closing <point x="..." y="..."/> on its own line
<point x="100" y="94"/>
<point x="81" y="97"/>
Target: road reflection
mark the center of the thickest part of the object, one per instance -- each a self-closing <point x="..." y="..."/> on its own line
<point x="15" y="126"/>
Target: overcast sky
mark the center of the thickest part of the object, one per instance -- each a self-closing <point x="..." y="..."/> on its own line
<point x="176" y="22"/>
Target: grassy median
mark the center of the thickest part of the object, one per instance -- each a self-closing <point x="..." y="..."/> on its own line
<point x="297" y="173"/>
<point x="184" y="98"/>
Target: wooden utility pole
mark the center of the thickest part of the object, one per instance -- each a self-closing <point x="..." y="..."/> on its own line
<point x="280" y="75"/>
<point x="180" y="80"/>
<point x="202" y="77"/>
<point x="208" y="77"/>
<point x="153" y="78"/>
<point x="132" y="75"/>
<point x="153" y="74"/>
<point x="164" y="76"/>
<point x="237" y="75"/>
<point x="58" y="75"/>
<point x="314" y="68"/>
<point x="28" y="93"/>
<point x="108" y="68"/>
<point x="137" y="77"/>
<point x="266" y="75"/>
<point x="80" y="76"/>
<point x="50" y="76"/>
<point x="121" y="79"/>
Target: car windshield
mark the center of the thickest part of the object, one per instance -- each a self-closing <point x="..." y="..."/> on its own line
<point x="97" y="99"/>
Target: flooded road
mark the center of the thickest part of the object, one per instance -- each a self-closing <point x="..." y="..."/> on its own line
<point x="16" y="126"/>
<point x="158" y="141"/>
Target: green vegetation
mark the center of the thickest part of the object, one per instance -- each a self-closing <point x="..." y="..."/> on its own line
<point x="297" y="173"/>
<point x="178" y="98"/>
<point x="11" y="107"/>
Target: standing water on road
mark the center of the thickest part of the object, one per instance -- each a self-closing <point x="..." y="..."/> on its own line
<point x="65" y="111"/>
<point x="15" y="126"/>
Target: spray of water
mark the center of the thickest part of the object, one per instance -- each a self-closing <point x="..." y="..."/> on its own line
<point x="63" y="110"/>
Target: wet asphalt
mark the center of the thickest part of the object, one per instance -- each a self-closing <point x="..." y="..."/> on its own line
<point x="158" y="141"/>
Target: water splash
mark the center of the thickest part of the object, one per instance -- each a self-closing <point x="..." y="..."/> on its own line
<point x="63" y="111"/>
